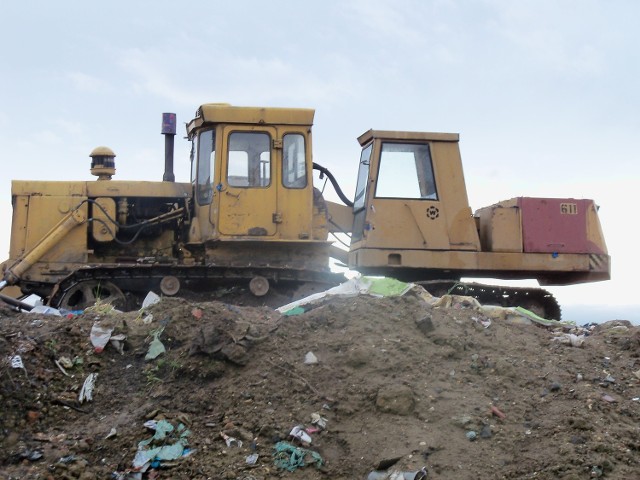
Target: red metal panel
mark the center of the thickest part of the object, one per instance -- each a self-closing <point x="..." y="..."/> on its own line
<point x="555" y="225"/>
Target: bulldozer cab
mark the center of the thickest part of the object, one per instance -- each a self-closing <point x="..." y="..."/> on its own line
<point x="412" y="220"/>
<point x="252" y="173"/>
<point x="400" y="200"/>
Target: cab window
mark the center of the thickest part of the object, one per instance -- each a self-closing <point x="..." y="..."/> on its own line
<point x="294" y="165"/>
<point x="249" y="162"/>
<point x="363" y="178"/>
<point x="206" y="148"/>
<point x="406" y="172"/>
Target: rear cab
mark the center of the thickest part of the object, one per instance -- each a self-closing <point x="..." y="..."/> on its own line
<point x="412" y="220"/>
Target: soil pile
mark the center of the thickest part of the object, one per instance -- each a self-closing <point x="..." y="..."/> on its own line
<point x="382" y="385"/>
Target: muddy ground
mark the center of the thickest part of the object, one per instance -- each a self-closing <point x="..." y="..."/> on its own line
<point x="447" y="390"/>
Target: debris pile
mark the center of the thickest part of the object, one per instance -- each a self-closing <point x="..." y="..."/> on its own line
<point x="347" y="386"/>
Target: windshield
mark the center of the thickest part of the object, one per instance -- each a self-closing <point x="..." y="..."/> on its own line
<point x="406" y="172"/>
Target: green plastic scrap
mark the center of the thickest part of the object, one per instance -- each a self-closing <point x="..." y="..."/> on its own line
<point x="156" y="347"/>
<point x="162" y="429"/>
<point x="387" y="287"/>
<point x="289" y="457"/>
<point x="543" y="321"/>
<point x="294" y="311"/>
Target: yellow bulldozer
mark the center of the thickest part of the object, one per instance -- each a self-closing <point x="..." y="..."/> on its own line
<point x="252" y="217"/>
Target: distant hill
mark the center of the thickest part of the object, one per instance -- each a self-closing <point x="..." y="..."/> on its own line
<point x="582" y="314"/>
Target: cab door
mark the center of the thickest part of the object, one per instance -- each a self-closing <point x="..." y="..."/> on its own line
<point x="295" y="184"/>
<point x="247" y="188"/>
<point x="405" y="210"/>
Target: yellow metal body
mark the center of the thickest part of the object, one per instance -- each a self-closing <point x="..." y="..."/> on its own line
<point x="238" y="211"/>
<point x="50" y="234"/>
<point x="437" y="236"/>
<point x="251" y="204"/>
<point x="268" y="217"/>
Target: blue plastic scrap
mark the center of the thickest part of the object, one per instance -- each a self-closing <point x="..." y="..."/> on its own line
<point x="289" y="457"/>
<point x="168" y="443"/>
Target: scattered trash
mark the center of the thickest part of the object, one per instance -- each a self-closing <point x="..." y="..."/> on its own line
<point x="16" y="362"/>
<point x="497" y="412"/>
<point x="100" y="337"/>
<point x="290" y="458"/>
<point x="61" y="368"/>
<point x="609" y="399"/>
<point x="150" y="299"/>
<point x="151" y="424"/>
<point x="32" y="455"/>
<point x="386" y="287"/>
<point x="294" y="311"/>
<point x="252" y="459"/>
<point x="156" y="347"/>
<point x="310" y="358"/>
<point x="471" y="435"/>
<point x="299" y="433"/>
<point x="86" y="393"/>
<point x="396" y="475"/>
<point x="168" y="443"/>
<point x="65" y="362"/>
<point x="569" y="339"/>
<point x="543" y="321"/>
<point x="197" y="313"/>
<point x="118" y="342"/>
<point x="456" y="301"/>
<point x="485" y="322"/>
<point x="230" y="441"/>
<point x="112" y="433"/>
<point x="70" y="313"/>
<point x="320" y="421"/>
<point x="45" y="310"/>
<point x="375" y="286"/>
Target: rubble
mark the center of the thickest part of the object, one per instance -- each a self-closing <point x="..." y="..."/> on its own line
<point x="409" y="378"/>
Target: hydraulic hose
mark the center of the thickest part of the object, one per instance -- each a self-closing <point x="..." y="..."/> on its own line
<point x="334" y="182"/>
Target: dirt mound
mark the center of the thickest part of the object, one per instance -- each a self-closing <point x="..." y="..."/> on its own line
<point x="377" y="384"/>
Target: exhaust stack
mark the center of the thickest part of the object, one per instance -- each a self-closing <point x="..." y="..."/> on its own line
<point x="169" y="132"/>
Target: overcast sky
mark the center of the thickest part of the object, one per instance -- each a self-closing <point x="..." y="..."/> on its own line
<point x="544" y="93"/>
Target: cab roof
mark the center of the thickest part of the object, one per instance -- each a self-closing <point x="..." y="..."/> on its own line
<point x="369" y="135"/>
<point x="225" y="113"/>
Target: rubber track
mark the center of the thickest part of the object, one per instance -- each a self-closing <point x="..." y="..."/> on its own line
<point x="538" y="300"/>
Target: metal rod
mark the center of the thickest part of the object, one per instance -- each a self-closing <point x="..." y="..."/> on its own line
<point x="15" y="302"/>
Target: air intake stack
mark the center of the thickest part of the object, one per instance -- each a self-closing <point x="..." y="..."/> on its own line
<point x="169" y="132"/>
